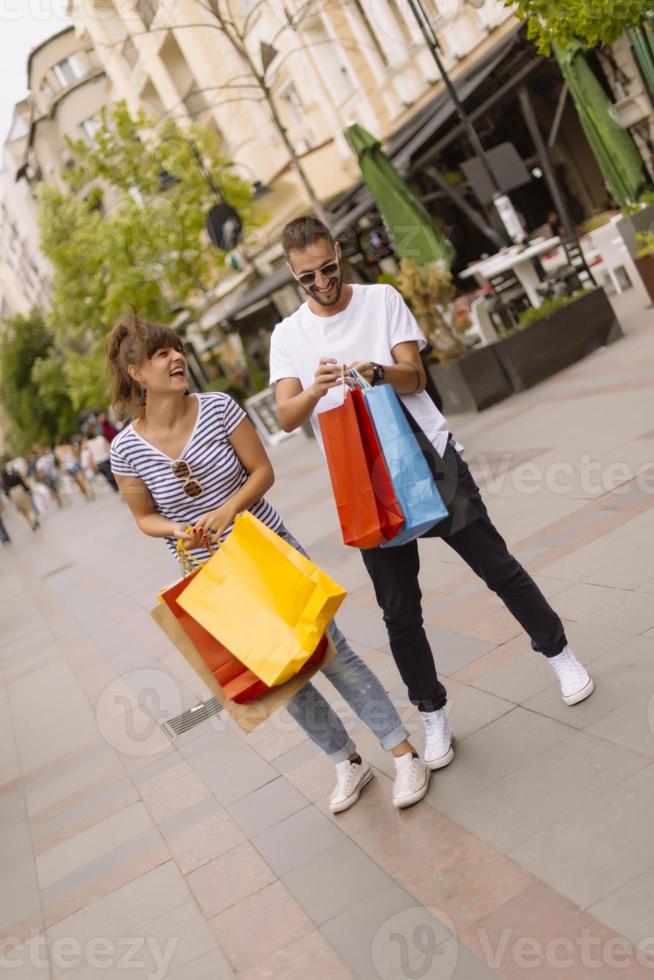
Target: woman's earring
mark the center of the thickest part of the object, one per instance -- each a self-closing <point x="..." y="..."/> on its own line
<point x="143" y="394"/>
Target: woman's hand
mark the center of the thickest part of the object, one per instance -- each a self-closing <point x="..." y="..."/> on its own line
<point x="189" y="537"/>
<point x="212" y="526"/>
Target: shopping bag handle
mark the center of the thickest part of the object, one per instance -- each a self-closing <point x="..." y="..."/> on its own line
<point x="187" y="559"/>
<point x="359" y="378"/>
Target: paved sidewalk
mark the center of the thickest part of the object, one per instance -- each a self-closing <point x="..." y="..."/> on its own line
<point x="216" y="856"/>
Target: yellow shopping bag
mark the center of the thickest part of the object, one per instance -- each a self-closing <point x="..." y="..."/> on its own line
<point x="262" y="599"/>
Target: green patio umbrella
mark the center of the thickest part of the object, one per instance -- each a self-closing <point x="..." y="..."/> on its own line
<point x="642" y="41"/>
<point x="614" y="149"/>
<point x="414" y="233"/>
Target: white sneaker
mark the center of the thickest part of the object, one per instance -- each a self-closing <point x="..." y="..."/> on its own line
<point x="576" y="683"/>
<point x="351" y="777"/>
<point x="411" y="780"/>
<point x="438" y="739"/>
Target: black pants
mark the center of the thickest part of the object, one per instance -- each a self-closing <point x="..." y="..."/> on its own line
<point x="105" y="468"/>
<point x="394" y="573"/>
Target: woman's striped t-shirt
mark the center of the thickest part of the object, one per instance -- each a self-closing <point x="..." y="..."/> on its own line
<point x="211" y="457"/>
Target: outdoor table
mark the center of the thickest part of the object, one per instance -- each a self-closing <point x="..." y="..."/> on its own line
<point x="520" y="261"/>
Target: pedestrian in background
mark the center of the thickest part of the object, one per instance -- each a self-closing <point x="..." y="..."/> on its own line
<point x="18" y="491"/>
<point x="99" y="449"/>
<point x="4" y="534"/>
<point x="68" y="457"/>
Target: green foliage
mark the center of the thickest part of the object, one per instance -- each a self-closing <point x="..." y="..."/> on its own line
<point x="592" y="22"/>
<point x="116" y="240"/>
<point x="32" y="386"/>
<point x="645" y="241"/>
<point x="645" y="199"/>
<point x="547" y="308"/>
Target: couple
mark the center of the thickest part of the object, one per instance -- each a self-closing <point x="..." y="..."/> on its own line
<point x="196" y="461"/>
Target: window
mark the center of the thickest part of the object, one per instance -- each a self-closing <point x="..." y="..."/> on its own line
<point x="146" y="9"/>
<point x="195" y="103"/>
<point x="90" y="127"/>
<point x="69" y="70"/>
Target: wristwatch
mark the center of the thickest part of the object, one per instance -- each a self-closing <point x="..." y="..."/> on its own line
<point x="378" y="373"/>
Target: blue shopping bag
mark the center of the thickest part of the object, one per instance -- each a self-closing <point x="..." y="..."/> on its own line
<point x="418" y="496"/>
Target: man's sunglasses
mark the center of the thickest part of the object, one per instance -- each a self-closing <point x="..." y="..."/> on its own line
<point x="329" y="270"/>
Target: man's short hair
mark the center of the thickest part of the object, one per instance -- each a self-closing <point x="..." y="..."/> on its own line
<point x="302" y="232"/>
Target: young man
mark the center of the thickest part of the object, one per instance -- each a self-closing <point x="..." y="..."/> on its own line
<point x="372" y="329"/>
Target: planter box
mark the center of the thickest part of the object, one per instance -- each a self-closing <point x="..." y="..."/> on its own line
<point x="628" y="227"/>
<point x="549" y="345"/>
<point x="645" y="266"/>
<point x="471" y="382"/>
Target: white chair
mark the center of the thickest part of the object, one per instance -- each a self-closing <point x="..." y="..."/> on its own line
<point x="616" y="261"/>
<point x="481" y="325"/>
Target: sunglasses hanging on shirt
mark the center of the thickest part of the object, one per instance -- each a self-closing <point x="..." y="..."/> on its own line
<point x="182" y="471"/>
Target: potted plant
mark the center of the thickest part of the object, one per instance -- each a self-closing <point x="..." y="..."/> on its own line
<point x="637" y="218"/>
<point x="466" y="378"/>
<point x="555" y="335"/>
<point x="645" y="260"/>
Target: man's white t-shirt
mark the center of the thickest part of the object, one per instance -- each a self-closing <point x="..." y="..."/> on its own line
<point x="374" y="322"/>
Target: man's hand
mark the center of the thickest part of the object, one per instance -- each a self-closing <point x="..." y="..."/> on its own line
<point x="328" y="375"/>
<point x="212" y="525"/>
<point x="364" y="368"/>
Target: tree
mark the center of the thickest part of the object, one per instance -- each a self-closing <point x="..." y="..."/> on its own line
<point x="32" y="384"/>
<point x="116" y="240"/>
<point x="593" y="22"/>
<point x="260" y="62"/>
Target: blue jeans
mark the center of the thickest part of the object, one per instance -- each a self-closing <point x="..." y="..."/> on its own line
<point x="358" y="686"/>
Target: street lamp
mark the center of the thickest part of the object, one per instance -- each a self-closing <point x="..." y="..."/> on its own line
<point x="502" y="202"/>
<point x="223" y="224"/>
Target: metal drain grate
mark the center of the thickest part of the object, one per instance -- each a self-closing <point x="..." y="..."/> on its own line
<point x="192" y="717"/>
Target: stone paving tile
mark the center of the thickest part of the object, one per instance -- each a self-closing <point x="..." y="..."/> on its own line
<point x="259" y="926"/>
<point x="229" y="878"/>
<point x="172" y="791"/>
<point x="266" y="806"/>
<point x="593" y="852"/>
<point x="211" y="966"/>
<point x="633" y="612"/>
<point x="100" y="877"/>
<point x="437" y="862"/>
<point x="27" y="961"/>
<point x="541" y="934"/>
<point x="230" y="768"/>
<point x="577" y="771"/>
<point x="314" y="779"/>
<point x="297" y="839"/>
<point x="126" y="910"/>
<point x="96" y="841"/>
<point x="304" y="752"/>
<point x="199" y="834"/>
<point x="311" y="956"/>
<point x="97" y="805"/>
<point x="628" y="910"/>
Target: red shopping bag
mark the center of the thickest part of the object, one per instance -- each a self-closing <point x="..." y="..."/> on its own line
<point x="391" y="518"/>
<point x="237" y="682"/>
<point x="364" y="496"/>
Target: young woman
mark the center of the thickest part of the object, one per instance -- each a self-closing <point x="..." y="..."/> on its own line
<point x="68" y="458"/>
<point x="195" y="461"/>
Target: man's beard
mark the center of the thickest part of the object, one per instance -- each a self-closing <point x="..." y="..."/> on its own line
<point x="330" y="302"/>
